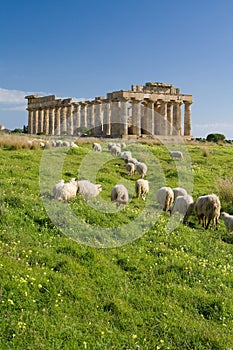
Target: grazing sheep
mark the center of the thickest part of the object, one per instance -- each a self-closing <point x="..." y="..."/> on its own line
<point x="115" y="150"/>
<point x="133" y="160"/>
<point x="179" y="191"/>
<point x="119" y="195"/>
<point x="142" y="188"/>
<point x="88" y="190"/>
<point x="165" y="197"/>
<point x="176" y="155"/>
<point x="141" y="168"/>
<point x="228" y="221"/>
<point x="96" y="147"/>
<point x="184" y="205"/>
<point x="208" y="208"/>
<point x="65" y="144"/>
<point x="57" y="189"/>
<point x="65" y="191"/>
<point x="59" y="143"/>
<point x="131" y="168"/>
<point x="127" y="155"/>
<point x="72" y="144"/>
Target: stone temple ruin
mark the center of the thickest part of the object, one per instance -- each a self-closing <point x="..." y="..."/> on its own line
<point x="152" y="109"/>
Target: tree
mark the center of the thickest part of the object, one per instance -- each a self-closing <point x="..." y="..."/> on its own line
<point x="215" y="138"/>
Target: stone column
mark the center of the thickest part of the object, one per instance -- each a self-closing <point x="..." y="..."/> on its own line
<point x="176" y="118"/>
<point x="157" y="118"/>
<point x="136" y="116"/>
<point x="51" y="121"/>
<point x="63" y="118"/>
<point x="40" y="120"/>
<point x="163" y="118"/>
<point x="124" y="116"/>
<point x="91" y="117"/>
<point x="98" y="118"/>
<point x="46" y="121"/>
<point x="107" y="119"/>
<point x="57" y="122"/>
<point x="69" y="121"/>
<point x="115" y="119"/>
<point x="187" y="119"/>
<point x="35" y="121"/>
<point x="169" y="118"/>
<point x="83" y="122"/>
<point x="150" y="117"/>
<point x="30" y="121"/>
<point x="76" y="116"/>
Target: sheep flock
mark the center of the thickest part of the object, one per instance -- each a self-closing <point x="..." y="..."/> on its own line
<point x="173" y="201"/>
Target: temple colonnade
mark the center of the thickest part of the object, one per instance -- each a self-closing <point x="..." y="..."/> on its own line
<point x="121" y="114"/>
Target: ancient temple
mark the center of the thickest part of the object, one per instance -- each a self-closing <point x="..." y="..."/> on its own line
<point x="150" y="109"/>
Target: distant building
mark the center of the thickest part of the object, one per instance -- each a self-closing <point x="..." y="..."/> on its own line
<point x="151" y="109"/>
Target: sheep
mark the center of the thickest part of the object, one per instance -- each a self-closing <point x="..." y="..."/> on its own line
<point x="131" y="168"/>
<point x="141" y="168"/>
<point x="179" y="191"/>
<point x="184" y="205"/>
<point x="64" y="144"/>
<point x="133" y="160"/>
<point x="65" y="191"/>
<point x="228" y="221"/>
<point x="57" y="189"/>
<point x="176" y="155"/>
<point x="208" y="208"/>
<point x="142" y="188"/>
<point x="115" y="150"/>
<point x="127" y="155"/>
<point x="119" y="195"/>
<point x="96" y="147"/>
<point x="88" y="190"/>
<point x="165" y="197"/>
<point x="59" y="143"/>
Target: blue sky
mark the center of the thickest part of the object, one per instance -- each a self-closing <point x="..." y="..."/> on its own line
<point x="84" y="49"/>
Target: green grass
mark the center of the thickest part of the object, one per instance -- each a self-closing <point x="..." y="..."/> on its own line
<point x="164" y="290"/>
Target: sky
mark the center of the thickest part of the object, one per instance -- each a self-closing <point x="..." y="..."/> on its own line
<point x="83" y="49"/>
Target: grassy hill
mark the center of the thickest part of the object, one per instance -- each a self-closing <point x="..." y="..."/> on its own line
<point x="164" y="289"/>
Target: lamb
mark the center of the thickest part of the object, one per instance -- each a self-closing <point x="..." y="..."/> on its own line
<point x="96" y="147"/>
<point x="88" y="190"/>
<point x="119" y="195"/>
<point x="179" y="191"/>
<point x="141" y="168"/>
<point x="208" y="208"/>
<point x="184" y="205"/>
<point x="142" y="188"/>
<point x="176" y="155"/>
<point x="66" y="191"/>
<point x="228" y="221"/>
<point x="165" y="197"/>
<point x="131" y="168"/>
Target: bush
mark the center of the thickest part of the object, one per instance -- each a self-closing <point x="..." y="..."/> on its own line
<point x="215" y="138"/>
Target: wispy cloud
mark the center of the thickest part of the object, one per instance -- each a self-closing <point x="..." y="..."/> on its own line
<point x="12" y="96"/>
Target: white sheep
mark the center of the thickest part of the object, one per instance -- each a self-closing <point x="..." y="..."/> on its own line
<point x="228" y="221"/>
<point x="142" y="188"/>
<point x="141" y="168"/>
<point x="115" y="150"/>
<point x="96" y="147"/>
<point x="119" y="195"/>
<point x="165" y="197"/>
<point x="179" y="191"/>
<point x="183" y="205"/>
<point x="176" y="155"/>
<point x="133" y="160"/>
<point x="66" y="191"/>
<point x="208" y="208"/>
<point x="131" y="168"/>
<point x="88" y="190"/>
<point x="126" y="156"/>
<point x="57" y="189"/>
